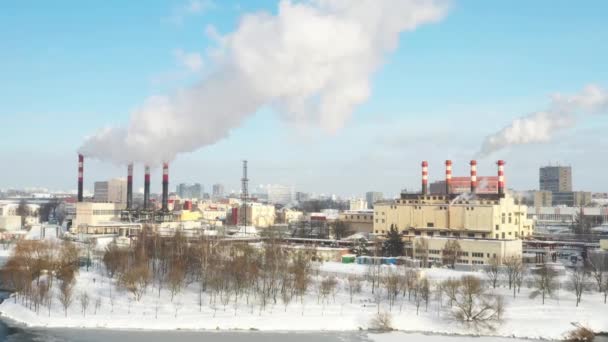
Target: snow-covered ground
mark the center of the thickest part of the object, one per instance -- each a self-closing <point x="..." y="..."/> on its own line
<point x="524" y="317"/>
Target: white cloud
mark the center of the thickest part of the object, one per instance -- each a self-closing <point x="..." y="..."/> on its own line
<point x="193" y="61"/>
<point x="312" y="61"/>
<point x="563" y="113"/>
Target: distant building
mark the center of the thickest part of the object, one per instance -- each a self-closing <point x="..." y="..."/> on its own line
<point x="279" y="194"/>
<point x="543" y="199"/>
<point x="555" y="178"/>
<point x="372" y="197"/>
<point x="461" y="185"/>
<point x="112" y="191"/>
<point x="357" y="204"/>
<point x="572" y="198"/>
<point x="190" y="191"/>
<point x="302" y="196"/>
<point x="218" y="191"/>
<point x="94" y="214"/>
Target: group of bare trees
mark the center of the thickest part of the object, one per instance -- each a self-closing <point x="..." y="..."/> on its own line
<point x="225" y="272"/>
<point x="36" y="267"/>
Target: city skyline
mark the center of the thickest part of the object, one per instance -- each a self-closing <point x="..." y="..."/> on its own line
<point x="426" y="100"/>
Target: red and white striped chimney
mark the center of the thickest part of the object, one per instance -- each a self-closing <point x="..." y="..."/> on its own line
<point x="448" y="177"/>
<point x="165" y="198"/>
<point x="501" y="176"/>
<point x="425" y="177"/>
<point x="80" y="177"/>
<point x="130" y="186"/>
<point x="146" y="187"/>
<point x="473" y="176"/>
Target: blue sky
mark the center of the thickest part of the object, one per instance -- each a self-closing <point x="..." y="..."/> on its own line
<point x="71" y="67"/>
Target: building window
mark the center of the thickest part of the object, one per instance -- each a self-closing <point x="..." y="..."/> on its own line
<point x="496" y="227"/>
<point x="417" y="233"/>
<point x="477" y="255"/>
<point x="443" y="234"/>
<point x="471" y="235"/>
<point x="430" y="224"/>
<point x="503" y="235"/>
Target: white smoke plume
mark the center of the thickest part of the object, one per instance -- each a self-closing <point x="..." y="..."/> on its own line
<point x="563" y="112"/>
<point x="312" y="62"/>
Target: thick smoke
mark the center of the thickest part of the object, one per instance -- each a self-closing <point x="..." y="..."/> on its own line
<point x="312" y="61"/>
<point x="563" y="112"/>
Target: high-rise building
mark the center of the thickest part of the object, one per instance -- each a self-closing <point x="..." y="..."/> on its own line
<point x="555" y="178"/>
<point x="218" y="190"/>
<point x="279" y="194"/>
<point x="191" y="191"/>
<point x="372" y="197"/>
<point x="111" y="191"/>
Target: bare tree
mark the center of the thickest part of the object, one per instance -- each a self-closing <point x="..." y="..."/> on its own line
<point x="450" y="253"/>
<point x="493" y="271"/>
<point x="544" y="282"/>
<point x="513" y="266"/>
<point x="421" y="248"/>
<point x="84" y="302"/>
<point x="578" y="285"/>
<point x="471" y="303"/>
<point x="66" y="295"/>
<point x="354" y="286"/>
<point x="598" y="264"/>
<point x="382" y="321"/>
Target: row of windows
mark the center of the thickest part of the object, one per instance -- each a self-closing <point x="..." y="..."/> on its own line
<point x="477" y="255"/>
<point x="477" y="262"/>
<point x="365" y="217"/>
<point x="106" y="212"/>
<point x="434" y="251"/>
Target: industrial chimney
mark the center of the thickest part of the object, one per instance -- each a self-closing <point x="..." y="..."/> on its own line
<point x="501" y="176"/>
<point x="130" y="186"/>
<point x="80" y="176"/>
<point x="425" y="177"/>
<point x="146" y="187"/>
<point x="448" y="177"/>
<point x="473" y="176"/>
<point x="165" y="198"/>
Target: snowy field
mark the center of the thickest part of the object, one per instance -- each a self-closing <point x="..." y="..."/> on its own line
<point x="524" y="317"/>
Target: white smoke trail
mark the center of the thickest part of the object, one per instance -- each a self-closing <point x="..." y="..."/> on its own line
<point x="312" y="61"/>
<point x="562" y="113"/>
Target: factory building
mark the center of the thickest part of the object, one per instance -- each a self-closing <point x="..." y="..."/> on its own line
<point x="473" y="251"/>
<point x="358" y="221"/>
<point x="462" y="185"/>
<point x="482" y="219"/>
<point x="111" y="191"/>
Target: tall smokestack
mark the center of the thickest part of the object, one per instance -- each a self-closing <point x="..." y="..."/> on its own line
<point x="146" y="187"/>
<point x="501" y="176"/>
<point x="473" y="176"/>
<point x="448" y="177"/>
<point x="130" y="186"/>
<point x="165" y="187"/>
<point x="425" y="177"/>
<point x="80" y="176"/>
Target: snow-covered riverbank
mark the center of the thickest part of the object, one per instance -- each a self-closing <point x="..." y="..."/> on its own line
<point x="108" y="308"/>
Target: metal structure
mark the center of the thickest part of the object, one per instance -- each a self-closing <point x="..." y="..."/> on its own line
<point x="244" y="194"/>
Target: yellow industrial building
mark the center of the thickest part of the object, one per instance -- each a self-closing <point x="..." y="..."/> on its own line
<point x="486" y="225"/>
<point x="486" y="216"/>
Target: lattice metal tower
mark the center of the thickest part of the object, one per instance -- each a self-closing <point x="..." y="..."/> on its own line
<point x="244" y="195"/>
